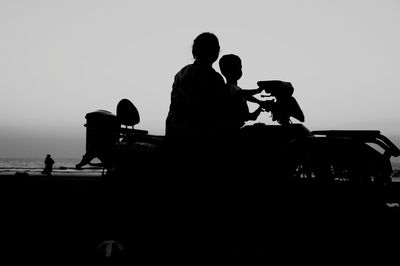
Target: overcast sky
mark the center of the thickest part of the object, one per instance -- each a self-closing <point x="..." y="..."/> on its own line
<point x="61" y="59"/>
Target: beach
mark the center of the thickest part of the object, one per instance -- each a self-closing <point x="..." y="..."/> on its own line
<point x="74" y="217"/>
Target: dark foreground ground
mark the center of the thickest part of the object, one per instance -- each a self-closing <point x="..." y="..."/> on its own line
<point x="59" y="220"/>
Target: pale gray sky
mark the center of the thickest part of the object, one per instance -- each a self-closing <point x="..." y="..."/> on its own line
<point x="61" y="59"/>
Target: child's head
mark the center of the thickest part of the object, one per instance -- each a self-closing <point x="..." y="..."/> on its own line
<point x="231" y="67"/>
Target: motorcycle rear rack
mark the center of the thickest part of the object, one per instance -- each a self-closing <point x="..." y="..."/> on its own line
<point x="368" y="136"/>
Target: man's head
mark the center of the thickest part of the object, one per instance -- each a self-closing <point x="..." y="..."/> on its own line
<point x="206" y="47"/>
<point x="231" y="67"/>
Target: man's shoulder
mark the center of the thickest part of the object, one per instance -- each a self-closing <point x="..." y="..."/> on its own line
<point x="186" y="68"/>
<point x="185" y="71"/>
<point x="192" y="72"/>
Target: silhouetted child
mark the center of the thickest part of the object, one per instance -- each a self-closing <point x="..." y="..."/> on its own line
<point x="48" y="168"/>
<point x="231" y="68"/>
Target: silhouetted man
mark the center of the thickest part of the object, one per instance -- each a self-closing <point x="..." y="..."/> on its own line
<point x="198" y="92"/>
<point x="195" y="124"/>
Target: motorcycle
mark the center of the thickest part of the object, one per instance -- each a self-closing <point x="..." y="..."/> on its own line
<point x="261" y="193"/>
<point x="288" y="150"/>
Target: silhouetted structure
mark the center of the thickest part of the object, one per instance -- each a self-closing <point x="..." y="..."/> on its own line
<point x="48" y="168"/>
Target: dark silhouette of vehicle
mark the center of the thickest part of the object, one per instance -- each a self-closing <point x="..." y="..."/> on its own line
<point x="287" y="152"/>
<point x="323" y="155"/>
<point x="274" y="182"/>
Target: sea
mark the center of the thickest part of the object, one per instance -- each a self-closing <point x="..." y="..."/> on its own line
<point x="34" y="167"/>
<point x="66" y="166"/>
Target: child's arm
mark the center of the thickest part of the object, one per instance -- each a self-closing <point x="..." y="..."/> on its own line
<point x="250" y="92"/>
<point x="253" y="100"/>
<point x="248" y="95"/>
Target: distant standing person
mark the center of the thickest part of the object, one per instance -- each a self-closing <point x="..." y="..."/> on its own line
<point x="48" y="168"/>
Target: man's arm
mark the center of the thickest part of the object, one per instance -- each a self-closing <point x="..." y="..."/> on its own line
<point x="247" y="93"/>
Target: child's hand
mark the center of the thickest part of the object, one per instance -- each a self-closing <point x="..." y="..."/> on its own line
<point x="259" y="90"/>
<point x="253" y="116"/>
